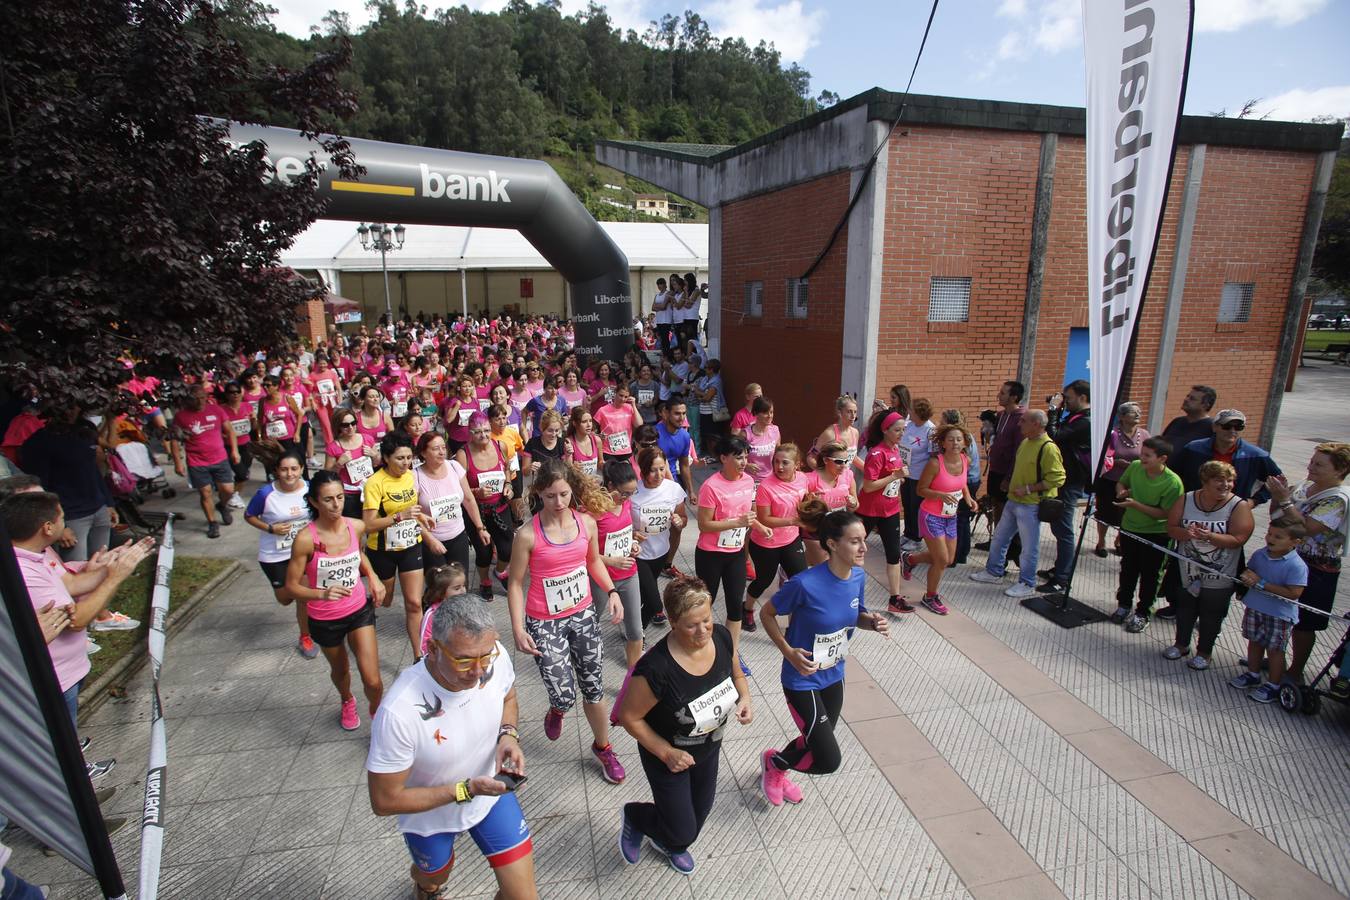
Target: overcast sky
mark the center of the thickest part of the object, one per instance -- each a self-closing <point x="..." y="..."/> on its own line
<point x="1289" y="53"/>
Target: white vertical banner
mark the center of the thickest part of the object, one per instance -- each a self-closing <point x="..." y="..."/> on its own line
<point x="1137" y="55"/>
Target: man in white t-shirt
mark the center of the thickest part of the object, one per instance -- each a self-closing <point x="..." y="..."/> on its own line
<point x="444" y="750"/>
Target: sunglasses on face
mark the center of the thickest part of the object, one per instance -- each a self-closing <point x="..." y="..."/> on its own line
<point x="347" y="423"/>
<point x="838" y="461"/>
<point x="1234" y="426"/>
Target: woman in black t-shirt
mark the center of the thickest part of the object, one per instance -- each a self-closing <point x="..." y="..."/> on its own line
<point x="683" y="691"/>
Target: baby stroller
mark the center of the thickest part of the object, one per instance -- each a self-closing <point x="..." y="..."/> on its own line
<point x="149" y="476"/>
<point x="1307" y="698"/>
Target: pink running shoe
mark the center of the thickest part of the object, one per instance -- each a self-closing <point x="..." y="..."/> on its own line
<point x="349" y="720"/>
<point x="771" y="779"/>
<point x="792" y="793"/>
<point x="553" y="724"/>
<point x="610" y="768"/>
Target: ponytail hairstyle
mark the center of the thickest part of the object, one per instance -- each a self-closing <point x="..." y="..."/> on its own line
<point x="321" y="477"/>
<point x="439" y="581"/>
<point x="833" y="526"/>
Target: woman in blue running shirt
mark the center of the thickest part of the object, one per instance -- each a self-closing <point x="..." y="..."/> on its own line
<point x="824" y="605"/>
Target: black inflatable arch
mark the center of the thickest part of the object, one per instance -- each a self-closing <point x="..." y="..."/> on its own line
<point x="415" y="185"/>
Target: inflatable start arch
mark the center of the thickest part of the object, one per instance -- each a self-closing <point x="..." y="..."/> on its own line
<point x="415" y="185"/>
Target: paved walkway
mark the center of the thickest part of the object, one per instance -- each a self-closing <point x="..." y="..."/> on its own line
<point x="987" y="754"/>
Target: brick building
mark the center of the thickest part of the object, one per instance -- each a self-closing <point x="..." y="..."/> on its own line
<point x="964" y="261"/>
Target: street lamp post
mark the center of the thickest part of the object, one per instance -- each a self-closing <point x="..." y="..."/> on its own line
<point x="378" y="236"/>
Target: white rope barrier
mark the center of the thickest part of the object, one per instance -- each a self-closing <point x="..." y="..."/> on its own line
<point x="152" y="820"/>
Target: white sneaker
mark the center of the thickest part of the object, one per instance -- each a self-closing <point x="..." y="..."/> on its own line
<point x="117" y="622"/>
<point x="984" y="576"/>
<point x="1020" y="590"/>
<point x="90" y="648"/>
<point x="237" y="502"/>
<point x="313" y="463"/>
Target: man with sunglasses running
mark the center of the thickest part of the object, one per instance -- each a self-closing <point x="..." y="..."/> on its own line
<point x="445" y="755"/>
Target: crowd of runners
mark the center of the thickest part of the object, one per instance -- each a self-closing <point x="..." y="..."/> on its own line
<point x="444" y="466"/>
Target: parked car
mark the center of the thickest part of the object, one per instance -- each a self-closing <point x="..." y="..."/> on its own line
<point x="1318" y="321"/>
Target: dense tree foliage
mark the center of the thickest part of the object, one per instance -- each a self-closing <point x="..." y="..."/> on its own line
<point x="1331" y="263"/>
<point x="529" y="81"/>
<point x="132" y="227"/>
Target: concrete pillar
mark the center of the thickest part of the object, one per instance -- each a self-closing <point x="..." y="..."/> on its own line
<point x="862" y="277"/>
<point x="1040" y="233"/>
<point x="1176" y="287"/>
<point x="713" y="315"/>
<point x="1293" y="312"/>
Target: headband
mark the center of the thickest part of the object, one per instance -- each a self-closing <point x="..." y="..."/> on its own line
<point x="891" y="419"/>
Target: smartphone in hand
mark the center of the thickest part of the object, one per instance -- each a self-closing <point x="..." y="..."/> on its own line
<point x="510" y="779"/>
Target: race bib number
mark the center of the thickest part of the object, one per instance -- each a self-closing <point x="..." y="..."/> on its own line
<point x="445" y="509"/>
<point x="609" y="395"/>
<point x="483" y="404"/>
<point x="359" y="468"/>
<point x="299" y="399"/>
<point x="732" y="538"/>
<point x="338" y="571"/>
<point x="656" y="519"/>
<point x="645" y="397"/>
<point x="400" y="409"/>
<point x="617" y="442"/>
<point x="711" y="711"/>
<point x="327" y="389"/>
<point x="240" y="426"/>
<point x="513" y="464"/>
<point x="401" y="535"/>
<point x="830" y="649"/>
<point x="464" y="415"/>
<point x="587" y="466"/>
<point x="492" y="482"/>
<point x="276" y="428"/>
<point x="892" y="490"/>
<point x="564" y="592"/>
<point x="949" y="508"/>
<point x="284" y="541"/>
<point x="619" y="543"/>
<point x="904" y="454"/>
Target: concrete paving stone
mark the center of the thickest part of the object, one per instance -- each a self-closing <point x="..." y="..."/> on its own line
<point x="1247" y="797"/>
<point x="903" y="862"/>
<point x="186" y="666"/>
<point x="1074" y="675"/>
<point x="1117" y="754"/>
<point x="1011" y="722"/>
<point x="555" y="789"/>
<point x="1118" y="820"/>
<point x="979" y="849"/>
<point x="792" y="824"/>
<point x="322" y="766"/>
<point x="1177" y="872"/>
<point x="1117" y="705"/>
<point x="1049" y="831"/>
<point x="867" y="701"/>
<point x="1182" y="745"/>
<point x="563" y="849"/>
<point x="953" y="730"/>
<point x="1059" y="766"/>
<point x="723" y="874"/>
<point x="248" y="773"/>
<point x="1103" y="879"/>
<point x="304" y="819"/>
<point x="1064" y="713"/>
<point x="284" y="874"/>
<point x="1019" y="677"/>
<point x="969" y="685"/>
<point x="209" y="879"/>
<point x="893" y="740"/>
<point x="1256" y="864"/>
<point x="255" y="664"/>
<point x="215" y="830"/>
<point x="1309" y="779"/>
<point x="931" y="788"/>
<point x="378" y="870"/>
<point x="361" y="823"/>
<point x="1317" y="842"/>
<point x="862" y="801"/>
<point x="742" y="759"/>
<point x="651" y="877"/>
<point x="293" y="726"/>
<point x="854" y="757"/>
<point x="1028" y="887"/>
<point x="913" y="690"/>
<point x="823" y="866"/>
<point x="1328" y="730"/>
<point x="995" y="775"/>
<point x="237" y="695"/>
<point x="309" y="687"/>
<point x="210" y="734"/>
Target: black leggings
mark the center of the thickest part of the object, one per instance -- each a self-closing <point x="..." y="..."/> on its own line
<point x="681" y="801"/>
<point x="816" y="751"/>
<point x="1140" y="564"/>
<point x="648" y="570"/>
<point x="241" y="468"/>
<point x="792" y="557"/>
<point x="351" y="505"/>
<point x="501" y="536"/>
<point x="456" y="550"/>
<point x="1209" y="609"/>
<point x="715" y="567"/>
<point x="889" y="527"/>
<point x="909" y="502"/>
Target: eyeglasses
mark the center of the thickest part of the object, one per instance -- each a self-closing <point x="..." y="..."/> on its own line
<point x="465" y="663"/>
<point x="1234" y="426"/>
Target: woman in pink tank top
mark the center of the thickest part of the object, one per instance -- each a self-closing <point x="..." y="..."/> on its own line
<point x="327" y="564"/>
<point x="371" y="419"/>
<point x="555" y="620"/>
<point x="583" y="447"/>
<point x="943" y="489"/>
<point x="834" y="484"/>
<point x="484" y="463"/>
<point x="842" y="431"/>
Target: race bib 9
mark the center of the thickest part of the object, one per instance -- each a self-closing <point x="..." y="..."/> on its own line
<point x="564" y="592"/>
<point x="401" y="535"/>
<point x="732" y="538"/>
<point x="619" y="543"/>
<point x="829" y="649"/>
<point x="492" y="482"/>
<point x="276" y="428"/>
<point x="711" y="711"/>
<point x="338" y="571"/>
<point x="359" y="468"/>
<point x="445" y="509"/>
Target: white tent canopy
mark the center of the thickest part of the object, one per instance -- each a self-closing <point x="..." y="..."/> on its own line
<point x="333" y="246"/>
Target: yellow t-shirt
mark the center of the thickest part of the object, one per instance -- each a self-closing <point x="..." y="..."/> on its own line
<point x="387" y="495"/>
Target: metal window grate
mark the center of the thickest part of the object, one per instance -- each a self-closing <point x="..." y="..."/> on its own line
<point x="949" y="299"/>
<point x="797" y="298"/>
<point x="1235" y="305"/>
<point x="754" y="298"/>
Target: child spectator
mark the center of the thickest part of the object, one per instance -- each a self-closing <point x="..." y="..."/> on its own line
<point x="1276" y="576"/>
